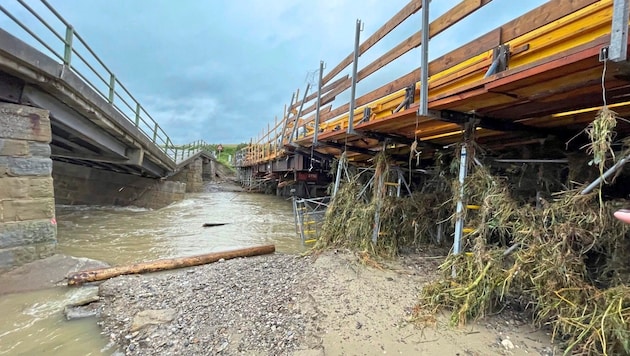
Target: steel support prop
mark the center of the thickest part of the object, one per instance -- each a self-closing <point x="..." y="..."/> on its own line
<point x="340" y="164"/>
<point x="297" y="117"/>
<point x="606" y="174"/>
<point x="286" y="119"/>
<point x="353" y="87"/>
<point x="319" y="103"/>
<point x="424" y="61"/>
<point x="618" y="50"/>
<point x="459" y="223"/>
<point x="379" y="203"/>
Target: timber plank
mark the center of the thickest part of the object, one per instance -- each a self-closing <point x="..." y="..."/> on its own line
<point x="442" y="23"/>
<point x="409" y="9"/>
<point x="482" y="44"/>
<point x="329" y="97"/>
<point x="541" y="16"/>
<point x="325" y="89"/>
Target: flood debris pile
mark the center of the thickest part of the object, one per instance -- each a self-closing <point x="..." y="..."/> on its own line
<point x="531" y="239"/>
<point x="564" y="261"/>
<point x="405" y="221"/>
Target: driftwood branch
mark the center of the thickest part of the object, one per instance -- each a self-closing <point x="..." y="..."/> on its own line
<point x="165" y="264"/>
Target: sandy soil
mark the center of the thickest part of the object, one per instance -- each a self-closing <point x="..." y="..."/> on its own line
<point x="367" y="311"/>
<point x="329" y="304"/>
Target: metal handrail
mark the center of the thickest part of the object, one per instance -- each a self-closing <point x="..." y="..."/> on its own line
<point x="116" y="93"/>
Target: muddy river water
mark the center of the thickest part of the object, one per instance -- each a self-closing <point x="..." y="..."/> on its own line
<point x="32" y="323"/>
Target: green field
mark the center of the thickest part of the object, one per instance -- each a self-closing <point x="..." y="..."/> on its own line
<point x="226" y="156"/>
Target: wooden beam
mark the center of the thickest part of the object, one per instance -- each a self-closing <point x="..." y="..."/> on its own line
<point x="385" y="90"/>
<point x="543" y="15"/>
<point x="410" y="9"/>
<point x="325" y="90"/>
<point x="328" y="98"/>
<point x="324" y="110"/>
<point x="482" y="44"/>
<point x="442" y="23"/>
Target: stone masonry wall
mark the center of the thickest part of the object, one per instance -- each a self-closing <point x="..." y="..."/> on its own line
<point x="28" y="230"/>
<point x="79" y="185"/>
<point x="192" y="175"/>
<point x="208" y="169"/>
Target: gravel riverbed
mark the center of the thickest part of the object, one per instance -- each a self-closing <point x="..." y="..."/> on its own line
<point x="291" y="305"/>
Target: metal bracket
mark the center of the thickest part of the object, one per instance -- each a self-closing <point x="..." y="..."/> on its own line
<point x="367" y="113"/>
<point x="410" y="93"/>
<point x="500" y="60"/>
<point x="603" y="54"/>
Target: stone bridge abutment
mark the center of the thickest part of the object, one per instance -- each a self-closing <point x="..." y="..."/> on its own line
<point x="32" y="183"/>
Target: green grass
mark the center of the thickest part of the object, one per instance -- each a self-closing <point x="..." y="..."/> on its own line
<point x="229" y="150"/>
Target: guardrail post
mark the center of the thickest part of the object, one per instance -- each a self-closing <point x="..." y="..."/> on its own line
<point x="138" y="109"/>
<point x="112" y="85"/>
<point x="168" y="143"/>
<point x="155" y="131"/>
<point x="67" y="51"/>
<point x="175" y="148"/>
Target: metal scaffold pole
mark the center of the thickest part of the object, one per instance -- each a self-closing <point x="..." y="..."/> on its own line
<point x="353" y="88"/>
<point x="459" y="213"/>
<point x="340" y="164"/>
<point x="318" y="103"/>
<point x="618" y="51"/>
<point x="424" y="61"/>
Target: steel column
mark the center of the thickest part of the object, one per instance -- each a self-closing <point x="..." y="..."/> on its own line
<point x="353" y="87"/>
<point x="379" y="203"/>
<point x="618" y="50"/>
<point x="319" y="103"/>
<point x="297" y="117"/>
<point x="424" y="61"/>
<point x="459" y="223"/>
<point x="340" y="163"/>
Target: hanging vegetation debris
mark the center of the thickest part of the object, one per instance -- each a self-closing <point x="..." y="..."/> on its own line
<point x="404" y="221"/>
<point x="565" y="262"/>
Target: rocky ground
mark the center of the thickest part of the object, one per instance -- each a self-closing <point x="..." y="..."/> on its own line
<point x="289" y="305"/>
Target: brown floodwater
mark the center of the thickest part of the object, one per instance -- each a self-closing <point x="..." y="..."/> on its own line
<point x="33" y="323"/>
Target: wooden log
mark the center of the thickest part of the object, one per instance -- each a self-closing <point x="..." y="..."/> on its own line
<point x="213" y="224"/>
<point x="100" y="274"/>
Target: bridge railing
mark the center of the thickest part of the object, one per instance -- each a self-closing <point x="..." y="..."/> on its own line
<point x="183" y="152"/>
<point x="56" y="36"/>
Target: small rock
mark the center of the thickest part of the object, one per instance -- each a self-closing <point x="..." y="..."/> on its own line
<point x="152" y="317"/>
<point x="507" y="344"/>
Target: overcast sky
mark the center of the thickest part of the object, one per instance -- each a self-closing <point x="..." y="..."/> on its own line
<point x="221" y="70"/>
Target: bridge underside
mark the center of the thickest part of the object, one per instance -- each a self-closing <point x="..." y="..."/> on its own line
<point x="77" y="139"/>
<point x="87" y="128"/>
